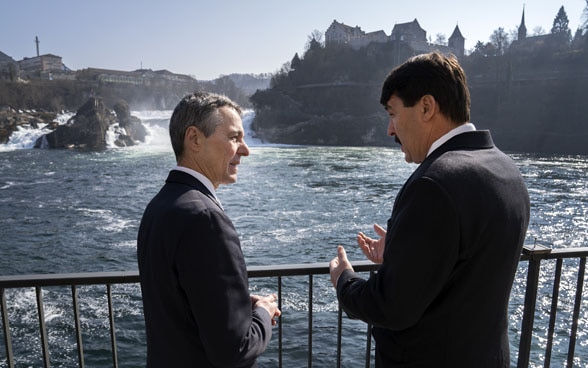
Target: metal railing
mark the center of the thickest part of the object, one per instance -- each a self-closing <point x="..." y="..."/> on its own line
<point x="534" y="256"/>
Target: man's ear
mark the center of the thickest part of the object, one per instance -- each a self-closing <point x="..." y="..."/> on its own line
<point x="193" y="139"/>
<point x="429" y="107"/>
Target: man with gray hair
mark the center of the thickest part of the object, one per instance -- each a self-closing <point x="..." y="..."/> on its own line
<point x="198" y="310"/>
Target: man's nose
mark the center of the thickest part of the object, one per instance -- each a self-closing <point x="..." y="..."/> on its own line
<point x="243" y="149"/>
<point x="391" y="129"/>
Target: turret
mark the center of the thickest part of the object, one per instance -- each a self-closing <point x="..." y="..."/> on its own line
<point x="457" y="42"/>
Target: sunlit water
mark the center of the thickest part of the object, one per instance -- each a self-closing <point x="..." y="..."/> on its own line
<point x="64" y="211"/>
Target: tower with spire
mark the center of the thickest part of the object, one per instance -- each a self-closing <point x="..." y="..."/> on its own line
<point x="522" y="28"/>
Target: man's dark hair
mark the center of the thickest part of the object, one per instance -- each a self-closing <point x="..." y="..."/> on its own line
<point x="431" y="74"/>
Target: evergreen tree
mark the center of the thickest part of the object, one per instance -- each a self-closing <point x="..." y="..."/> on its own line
<point x="295" y="63"/>
<point x="561" y="24"/>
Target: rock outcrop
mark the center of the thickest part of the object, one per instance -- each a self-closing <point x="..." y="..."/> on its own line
<point x="87" y="129"/>
<point x="132" y="129"/>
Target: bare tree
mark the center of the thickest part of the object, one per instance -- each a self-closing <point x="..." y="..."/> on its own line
<point x="440" y="39"/>
<point x="500" y="40"/>
<point x="316" y="36"/>
<point x="539" y="31"/>
<point x="514" y="34"/>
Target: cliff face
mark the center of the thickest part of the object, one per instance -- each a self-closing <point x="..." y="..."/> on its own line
<point x="321" y="115"/>
<point x="542" y="116"/>
<point x="531" y="101"/>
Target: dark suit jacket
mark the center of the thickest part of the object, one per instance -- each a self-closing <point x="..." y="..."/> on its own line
<point x="440" y="298"/>
<point x="194" y="282"/>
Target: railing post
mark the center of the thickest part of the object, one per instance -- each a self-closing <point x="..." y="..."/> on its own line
<point x="76" y="310"/>
<point x="112" y="328"/>
<point x="368" y="346"/>
<point x="368" y="343"/>
<point x="553" y="312"/>
<point x="42" y="326"/>
<point x="529" y="308"/>
<point x="339" y="334"/>
<point x="576" y="315"/>
<point x="280" y="336"/>
<point x="6" y="328"/>
<point x="310" y="320"/>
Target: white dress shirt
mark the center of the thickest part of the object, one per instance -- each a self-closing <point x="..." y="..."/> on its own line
<point x="467" y="127"/>
<point x="203" y="179"/>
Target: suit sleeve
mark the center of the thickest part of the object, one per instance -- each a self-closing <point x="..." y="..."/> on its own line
<point x="212" y="273"/>
<point x="422" y="247"/>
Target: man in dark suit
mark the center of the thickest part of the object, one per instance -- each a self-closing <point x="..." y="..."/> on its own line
<point x="454" y="239"/>
<point x="198" y="310"/>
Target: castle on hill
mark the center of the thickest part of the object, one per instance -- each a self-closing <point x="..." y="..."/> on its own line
<point x="410" y="32"/>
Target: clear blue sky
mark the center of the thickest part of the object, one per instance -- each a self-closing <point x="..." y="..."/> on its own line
<point x="211" y="38"/>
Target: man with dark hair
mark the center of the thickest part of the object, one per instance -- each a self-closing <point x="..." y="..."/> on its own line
<point x="452" y="245"/>
<point x="198" y="310"/>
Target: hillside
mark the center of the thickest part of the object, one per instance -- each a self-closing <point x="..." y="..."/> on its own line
<point x="69" y="94"/>
<point x="530" y="97"/>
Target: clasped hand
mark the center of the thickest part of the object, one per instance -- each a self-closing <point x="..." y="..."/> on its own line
<point x="268" y="303"/>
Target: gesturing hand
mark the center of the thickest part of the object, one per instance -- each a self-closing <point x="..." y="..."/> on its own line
<point x="372" y="248"/>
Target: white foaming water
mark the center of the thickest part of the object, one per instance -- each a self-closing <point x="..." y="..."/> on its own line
<point x="103" y="219"/>
<point x="26" y="136"/>
<point x="155" y="121"/>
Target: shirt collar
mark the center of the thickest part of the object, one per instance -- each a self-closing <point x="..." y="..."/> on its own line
<point x="467" y="127"/>
<point x="203" y="179"/>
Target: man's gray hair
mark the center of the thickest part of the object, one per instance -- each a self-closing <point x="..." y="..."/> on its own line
<point x="199" y="109"/>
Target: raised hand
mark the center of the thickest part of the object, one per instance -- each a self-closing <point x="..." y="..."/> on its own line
<point x="373" y="248"/>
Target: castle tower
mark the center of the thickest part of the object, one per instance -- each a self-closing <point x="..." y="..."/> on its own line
<point x="457" y="42"/>
<point x="522" y="29"/>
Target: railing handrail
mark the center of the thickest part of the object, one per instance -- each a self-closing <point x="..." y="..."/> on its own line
<point x="549" y="253"/>
<point x="130" y="277"/>
<point x="297" y="269"/>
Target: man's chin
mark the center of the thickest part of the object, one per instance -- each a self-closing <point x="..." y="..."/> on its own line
<point x="407" y="156"/>
<point x="230" y="179"/>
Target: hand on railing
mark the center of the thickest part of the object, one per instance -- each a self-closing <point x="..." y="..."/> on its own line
<point x="372" y="248"/>
<point x="338" y="265"/>
<point x="268" y="303"/>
